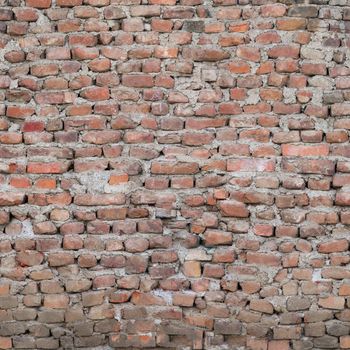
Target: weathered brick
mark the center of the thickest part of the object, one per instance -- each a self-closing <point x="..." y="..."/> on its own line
<point x="106" y="199"/>
<point x="171" y="162"/>
<point x="13" y="198"/>
<point x="171" y="168"/>
<point x="305" y="151"/>
<point x="40" y="4"/>
<point x="214" y="237"/>
<point x="233" y="209"/>
<point x="227" y="327"/>
<point x="332" y="302"/>
<point x="205" y="54"/>
<point x="29" y="258"/>
<point x="289" y="51"/>
<point x="273" y="10"/>
<point x="333" y="246"/>
<point x="263" y="258"/>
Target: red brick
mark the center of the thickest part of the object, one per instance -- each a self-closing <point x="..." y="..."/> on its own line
<point x="290" y="51"/>
<point x="305" y="151"/>
<point x="248" y="53"/>
<point x="314" y="69"/>
<point x="5" y="343"/>
<point x="211" y="55"/>
<point x="263" y="258"/>
<point x="161" y="25"/>
<point x="96" y="93"/>
<point x="101" y="137"/>
<point x="233" y="209"/>
<point x="273" y="10"/>
<point x="261" y="306"/>
<point x="229" y="13"/>
<point x="268" y="38"/>
<point x="278" y="345"/>
<point x="26" y="14"/>
<point x="345" y="342"/>
<point x="238" y="67"/>
<point x="60" y="259"/>
<point x="44" y="70"/>
<point x="138" y="81"/>
<point x="174" y="168"/>
<point x="29" y="258"/>
<point x="165" y="52"/>
<point x="47" y="168"/>
<point x="69" y="3"/>
<point x="214" y="237"/>
<point x="19" y="112"/>
<point x="132" y="25"/>
<point x="333" y="246"/>
<point x="264" y="230"/>
<point x="332" y="302"/>
<point x="291" y="24"/>
<point x="192" y="269"/>
<point x="40" y="4"/>
<point x="99" y="199"/>
<point x="20" y="182"/>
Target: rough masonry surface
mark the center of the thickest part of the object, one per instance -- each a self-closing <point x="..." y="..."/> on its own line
<point x="174" y="174"/>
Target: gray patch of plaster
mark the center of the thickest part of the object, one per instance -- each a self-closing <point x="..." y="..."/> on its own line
<point x="27" y="229"/>
<point x="94" y="182"/>
<point x="316" y="275"/>
<point x="167" y="296"/>
<point x="122" y="188"/>
<point x="289" y="95"/>
<point x="117" y="314"/>
<point x="253" y="96"/>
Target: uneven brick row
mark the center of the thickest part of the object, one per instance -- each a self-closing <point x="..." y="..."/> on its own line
<point x="174" y="174"/>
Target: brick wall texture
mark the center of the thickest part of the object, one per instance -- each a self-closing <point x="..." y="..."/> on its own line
<point x="174" y="174"/>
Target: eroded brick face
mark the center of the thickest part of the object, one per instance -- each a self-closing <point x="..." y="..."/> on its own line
<point x="174" y="174"/>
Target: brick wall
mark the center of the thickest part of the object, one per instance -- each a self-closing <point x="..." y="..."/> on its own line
<point x="174" y="174"/>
